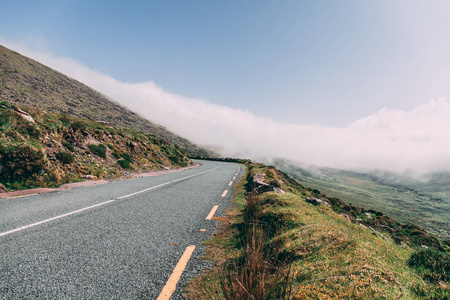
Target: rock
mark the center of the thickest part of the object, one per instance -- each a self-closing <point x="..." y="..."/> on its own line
<point x="347" y="217"/>
<point x="88" y="176"/>
<point x="259" y="178"/>
<point x="24" y="114"/>
<point x="424" y="247"/>
<point x="315" y="202"/>
<point x="260" y="186"/>
<point x="368" y="215"/>
<point x="364" y="226"/>
<point x="278" y="190"/>
<point x="2" y="189"/>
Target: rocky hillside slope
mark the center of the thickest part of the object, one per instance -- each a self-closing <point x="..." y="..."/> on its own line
<point x="44" y="149"/>
<point x="24" y="81"/>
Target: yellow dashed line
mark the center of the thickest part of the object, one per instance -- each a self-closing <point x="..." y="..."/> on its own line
<point x="213" y="211"/>
<point x="171" y="284"/>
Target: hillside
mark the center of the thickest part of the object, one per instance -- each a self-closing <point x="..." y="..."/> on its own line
<point x="425" y="203"/>
<point x="24" y="81"/>
<point x="44" y="149"/>
<point x="288" y="241"/>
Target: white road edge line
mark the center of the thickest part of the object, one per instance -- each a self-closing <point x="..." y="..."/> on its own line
<point x="163" y="184"/>
<point x="54" y="218"/>
<point x="100" y="204"/>
<point x="231" y="182"/>
<point x="171" y="283"/>
<point x="213" y="211"/>
<point x="225" y="193"/>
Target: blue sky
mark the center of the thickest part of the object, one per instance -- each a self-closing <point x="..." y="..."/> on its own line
<point x="321" y="62"/>
<point x="342" y="83"/>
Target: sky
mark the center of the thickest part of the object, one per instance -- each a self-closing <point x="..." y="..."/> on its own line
<point x="347" y="84"/>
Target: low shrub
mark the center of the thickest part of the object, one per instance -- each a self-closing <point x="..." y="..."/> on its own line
<point x="78" y="125"/>
<point x="124" y="164"/>
<point x="431" y="264"/>
<point x="65" y="157"/>
<point x="99" y="150"/>
<point x="68" y="145"/>
<point x="174" y="159"/>
<point x="20" y="162"/>
<point x="126" y="157"/>
<point x="32" y="131"/>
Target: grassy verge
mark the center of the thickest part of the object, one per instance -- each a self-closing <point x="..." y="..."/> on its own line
<point x="278" y="246"/>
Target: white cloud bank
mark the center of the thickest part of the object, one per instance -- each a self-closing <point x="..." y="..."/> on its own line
<point x="389" y="140"/>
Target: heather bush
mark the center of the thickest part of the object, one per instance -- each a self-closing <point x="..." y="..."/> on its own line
<point x="20" y="161"/>
<point x="65" y="157"/>
<point x="99" y="150"/>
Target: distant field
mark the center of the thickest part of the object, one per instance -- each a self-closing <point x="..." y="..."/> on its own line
<point x="426" y="204"/>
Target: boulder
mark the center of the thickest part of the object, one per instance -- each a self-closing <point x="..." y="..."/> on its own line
<point x="24" y="114"/>
<point x="260" y="186"/>
<point x="259" y="178"/>
<point x="2" y="189"/>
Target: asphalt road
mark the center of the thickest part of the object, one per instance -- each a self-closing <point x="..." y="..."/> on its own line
<point x="122" y="249"/>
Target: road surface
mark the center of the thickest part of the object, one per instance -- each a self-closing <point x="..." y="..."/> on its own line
<point x="120" y="240"/>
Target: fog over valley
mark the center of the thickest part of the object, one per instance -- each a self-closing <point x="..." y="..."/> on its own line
<point x="414" y="140"/>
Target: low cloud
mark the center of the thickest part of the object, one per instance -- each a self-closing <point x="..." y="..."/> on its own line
<point x="389" y="140"/>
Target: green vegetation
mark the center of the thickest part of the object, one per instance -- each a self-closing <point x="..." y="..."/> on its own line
<point x="24" y="81"/>
<point x="306" y="251"/>
<point x="56" y="149"/>
<point x="68" y="146"/>
<point x="432" y="264"/>
<point x="423" y="203"/>
<point x="65" y="157"/>
<point x="20" y="161"/>
<point x="99" y="150"/>
<point x="124" y="164"/>
<point x="126" y="157"/>
<point x="126" y="160"/>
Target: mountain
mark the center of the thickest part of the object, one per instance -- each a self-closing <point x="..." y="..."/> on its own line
<point x="24" y="81"/>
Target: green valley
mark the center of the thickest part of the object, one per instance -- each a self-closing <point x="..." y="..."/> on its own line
<point x="423" y="202"/>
